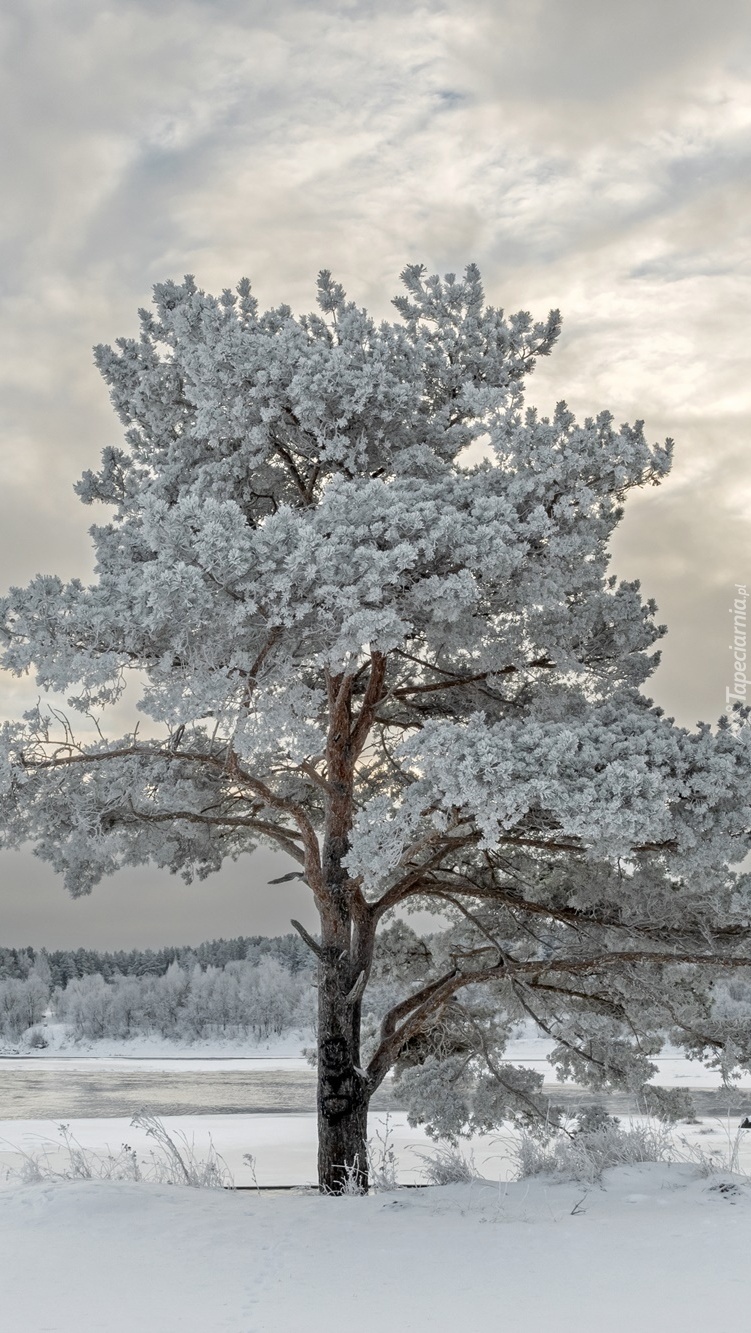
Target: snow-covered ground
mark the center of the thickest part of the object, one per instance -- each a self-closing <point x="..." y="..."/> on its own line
<point x="655" y="1248"/>
<point x="61" y="1045"/>
<point x="284" y="1146"/>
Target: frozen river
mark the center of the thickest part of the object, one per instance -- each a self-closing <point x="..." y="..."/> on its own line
<point x="94" y="1088"/>
<point x="51" y="1088"/>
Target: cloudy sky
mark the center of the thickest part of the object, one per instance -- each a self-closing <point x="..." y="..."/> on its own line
<point x="588" y="154"/>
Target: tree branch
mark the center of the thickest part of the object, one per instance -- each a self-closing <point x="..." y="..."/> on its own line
<point x="312" y="862"/>
<point x="414" y="1010"/>
<point x="371" y="699"/>
<point x="456" y="682"/>
<point x="229" y="767"/>
<point x="308" y="938"/>
<point x="274" y="636"/>
<point x="284" y="837"/>
<point x="423" y="1003"/>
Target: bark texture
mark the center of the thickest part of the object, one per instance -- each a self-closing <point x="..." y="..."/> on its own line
<point x="346" y="952"/>
<point x="343" y="1092"/>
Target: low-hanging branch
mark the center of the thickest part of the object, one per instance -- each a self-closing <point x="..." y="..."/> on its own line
<point x="433" y="997"/>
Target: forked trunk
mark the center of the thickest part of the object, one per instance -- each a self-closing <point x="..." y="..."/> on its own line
<point x="342" y="1090"/>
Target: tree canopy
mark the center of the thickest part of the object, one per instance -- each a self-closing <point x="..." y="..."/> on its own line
<point x="366" y="595"/>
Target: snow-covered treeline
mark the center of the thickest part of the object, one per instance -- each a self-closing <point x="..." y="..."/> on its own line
<point x="256" y="998"/>
<point x="65" y="964"/>
<point x="243" y="999"/>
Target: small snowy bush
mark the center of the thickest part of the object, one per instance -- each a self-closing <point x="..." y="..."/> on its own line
<point x="174" y="1160"/>
<point x="22" y="1004"/>
<point x="585" y="1154"/>
<point x="350" y="1184"/>
<point x="382" y="1163"/>
<point x="448" y="1166"/>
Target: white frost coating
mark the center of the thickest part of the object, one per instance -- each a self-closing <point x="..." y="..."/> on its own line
<point x="291" y="514"/>
<point x="617" y="779"/>
<point x="383" y="831"/>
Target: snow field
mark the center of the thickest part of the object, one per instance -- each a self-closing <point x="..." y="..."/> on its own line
<point x="655" y="1248"/>
<point x="284" y="1146"/>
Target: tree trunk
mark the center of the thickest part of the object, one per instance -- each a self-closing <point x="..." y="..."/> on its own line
<point x="346" y="951"/>
<point x="343" y="1095"/>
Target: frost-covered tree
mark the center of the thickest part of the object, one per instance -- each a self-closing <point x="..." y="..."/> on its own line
<point x="367" y="599"/>
<point x="262" y="999"/>
<point x="87" y="1005"/>
<point x="22" y="1004"/>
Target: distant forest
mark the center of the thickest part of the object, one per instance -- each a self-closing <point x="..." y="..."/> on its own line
<point x="250" y="988"/>
<point x="66" y="965"/>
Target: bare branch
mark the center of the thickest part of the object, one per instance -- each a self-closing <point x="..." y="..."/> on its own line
<point x="313" y="871"/>
<point x="594" y="919"/>
<point x="413" y="1012"/>
<point x="545" y="1027"/>
<point x="274" y="636"/>
<point x="494" y="1069"/>
<point x="355" y="993"/>
<point x="457" y="682"/>
<point x="284" y="837"/>
<point x="311" y="943"/>
<point x="229" y="767"/>
<point x="315" y="777"/>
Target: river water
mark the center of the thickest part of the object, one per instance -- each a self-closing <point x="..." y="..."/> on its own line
<point x="60" y="1088"/>
<point x="47" y="1090"/>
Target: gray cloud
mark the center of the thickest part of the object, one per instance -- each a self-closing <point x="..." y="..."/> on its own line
<point x="591" y="155"/>
<point x="594" y="51"/>
<point x="138" y="909"/>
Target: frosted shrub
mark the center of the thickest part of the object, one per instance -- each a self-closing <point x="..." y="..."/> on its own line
<point x="280" y="999"/>
<point x="174" y="1160"/>
<point x="86" y="1004"/>
<point x="125" y="1012"/>
<point x="447" y="1165"/>
<point x="351" y="1182"/>
<point x="164" y="999"/>
<point x="723" y="1160"/>
<point x="242" y="999"/>
<point x="584" y="1155"/>
<point x="197" y="1014"/>
<point x="382" y="1164"/>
